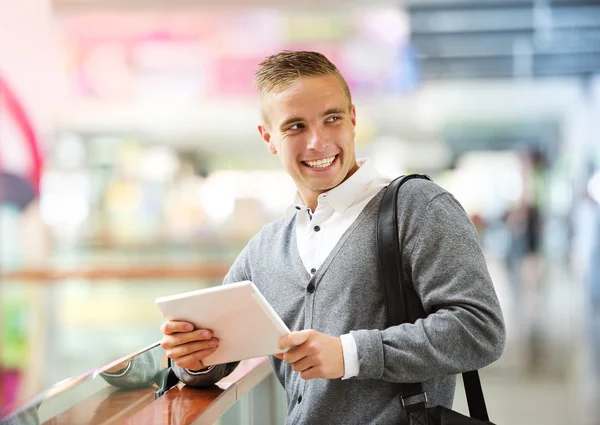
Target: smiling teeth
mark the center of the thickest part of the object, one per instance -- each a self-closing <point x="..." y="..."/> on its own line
<point x="321" y="163"/>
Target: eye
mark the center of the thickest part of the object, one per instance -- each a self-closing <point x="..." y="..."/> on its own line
<point x="296" y="127"/>
<point x="334" y="118"/>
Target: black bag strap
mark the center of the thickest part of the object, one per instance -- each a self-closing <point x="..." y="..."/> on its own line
<point x="395" y="295"/>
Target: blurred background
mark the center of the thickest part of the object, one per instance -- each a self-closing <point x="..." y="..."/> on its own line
<point x="131" y="168"/>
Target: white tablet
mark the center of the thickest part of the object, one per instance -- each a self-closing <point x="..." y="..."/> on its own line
<point x="237" y="314"/>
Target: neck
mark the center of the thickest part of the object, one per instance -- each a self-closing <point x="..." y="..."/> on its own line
<point x="310" y="199"/>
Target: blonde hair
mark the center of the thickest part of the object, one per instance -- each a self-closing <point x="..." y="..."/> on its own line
<point x="280" y="70"/>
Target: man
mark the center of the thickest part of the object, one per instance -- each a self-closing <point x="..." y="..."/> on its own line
<point x="318" y="268"/>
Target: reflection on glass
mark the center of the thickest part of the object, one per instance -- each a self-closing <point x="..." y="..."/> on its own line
<point x="99" y="393"/>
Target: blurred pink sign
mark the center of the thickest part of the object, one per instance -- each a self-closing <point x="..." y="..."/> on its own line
<point x="233" y="76"/>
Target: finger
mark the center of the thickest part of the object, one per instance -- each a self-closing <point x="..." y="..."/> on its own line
<point x="294" y="355"/>
<point x="173" y="326"/>
<point x="192" y="347"/>
<point x="279" y="356"/>
<point x="303" y="364"/>
<point x="293" y="339"/>
<point x="311" y="373"/>
<point x="174" y="340"/>
<point x="194" y="361"/>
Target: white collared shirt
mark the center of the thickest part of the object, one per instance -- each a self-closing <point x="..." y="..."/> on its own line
<point x="336" y="211"/>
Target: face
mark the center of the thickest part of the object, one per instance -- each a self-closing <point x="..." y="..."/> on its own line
<point x="311" y="127"/>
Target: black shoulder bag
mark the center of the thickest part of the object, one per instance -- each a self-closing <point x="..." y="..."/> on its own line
<point x="412" y="396"/>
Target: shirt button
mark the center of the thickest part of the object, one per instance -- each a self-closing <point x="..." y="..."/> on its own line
<point x="317" y="228"/>
<point x="299" y="399"/>
<point x="313" y="271"/>
<point x="310" y="288"/>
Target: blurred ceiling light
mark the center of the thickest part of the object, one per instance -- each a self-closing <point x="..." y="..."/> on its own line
<point x="64" y="199"/>
<point x="272" y="189"/>
<point x="388" y="25"/>
<point x="158" y="163"/>
<point x="488" y="182"/>
<point x="218" y="196"/>
<point x="593" y="187"/>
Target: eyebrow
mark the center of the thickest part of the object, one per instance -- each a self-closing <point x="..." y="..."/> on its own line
<point x="289" y="121"/>
<point x="298" y="119"/>
<point x="334" y="111"/>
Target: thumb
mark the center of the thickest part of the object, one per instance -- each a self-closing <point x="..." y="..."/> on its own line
<point x="293" y="339"/>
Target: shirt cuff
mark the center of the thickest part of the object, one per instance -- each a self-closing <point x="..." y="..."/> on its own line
<point x="351" y="366"/>
<point x="200" y="372"/>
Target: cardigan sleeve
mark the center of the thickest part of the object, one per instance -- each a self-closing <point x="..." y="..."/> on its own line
<point x="464" y="328"/>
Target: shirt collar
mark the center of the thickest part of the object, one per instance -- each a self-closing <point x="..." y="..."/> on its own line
<point x="342" y="196"/>
<point x="296" y="205"/>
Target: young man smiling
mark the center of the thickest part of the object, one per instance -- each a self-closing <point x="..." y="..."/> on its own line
<point x="318" y="268"/>
<point x="310" y="125"/>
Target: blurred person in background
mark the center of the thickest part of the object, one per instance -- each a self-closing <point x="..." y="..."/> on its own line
<point x="533" y="220"/>
<point x="318" y="268"/>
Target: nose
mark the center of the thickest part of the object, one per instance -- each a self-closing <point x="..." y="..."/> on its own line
<point x="317" y="140"/>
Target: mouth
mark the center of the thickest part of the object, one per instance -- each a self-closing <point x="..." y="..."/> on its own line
<point x="321" y="163"/>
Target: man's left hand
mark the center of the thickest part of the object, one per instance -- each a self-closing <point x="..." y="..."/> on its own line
<point x="313" y="354"/>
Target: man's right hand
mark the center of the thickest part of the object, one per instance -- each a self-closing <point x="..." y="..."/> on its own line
<point x="186" y="346"/>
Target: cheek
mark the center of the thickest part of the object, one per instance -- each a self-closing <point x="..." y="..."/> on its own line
<point x="286" y="156"/>
<point x="343" y="134"/>
<point x="292" y="150"/>
<point x="349" y="139"/>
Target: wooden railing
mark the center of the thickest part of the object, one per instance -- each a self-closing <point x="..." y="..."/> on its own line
<point x="181" y="405"/>
<point x="184" y="405"/>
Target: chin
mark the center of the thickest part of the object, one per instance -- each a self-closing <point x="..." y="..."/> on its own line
<point x="325" y="186"/>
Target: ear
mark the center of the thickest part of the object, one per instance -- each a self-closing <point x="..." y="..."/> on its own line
<point x="353" y="115"/>
<point x="266" y="136"/>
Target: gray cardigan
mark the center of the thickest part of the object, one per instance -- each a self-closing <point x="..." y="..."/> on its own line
<point x="464" y="329"/>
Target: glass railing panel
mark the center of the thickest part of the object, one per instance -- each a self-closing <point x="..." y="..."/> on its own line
<point x="264" y="404"/>
<point x="119" y="388"/>
<point x="54" y="329"/>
